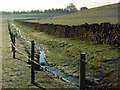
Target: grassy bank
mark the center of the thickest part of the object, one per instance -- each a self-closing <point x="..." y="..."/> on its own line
<point x="64" y="53"/>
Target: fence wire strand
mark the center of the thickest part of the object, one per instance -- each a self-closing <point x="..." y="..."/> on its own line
<point x="24" y="54"/>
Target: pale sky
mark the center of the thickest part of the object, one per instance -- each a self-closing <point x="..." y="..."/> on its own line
<point x="24" y="5"/>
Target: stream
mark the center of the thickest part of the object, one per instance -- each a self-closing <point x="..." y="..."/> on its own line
<point x="43" y="62"/>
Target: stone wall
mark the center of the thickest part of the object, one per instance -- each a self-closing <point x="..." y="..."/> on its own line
<point x="99" y="33"/>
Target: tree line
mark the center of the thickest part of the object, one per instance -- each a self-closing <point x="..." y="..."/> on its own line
<point x="69" y="9"/>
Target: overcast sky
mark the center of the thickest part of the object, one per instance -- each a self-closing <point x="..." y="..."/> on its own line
<point x="24" y="5"/>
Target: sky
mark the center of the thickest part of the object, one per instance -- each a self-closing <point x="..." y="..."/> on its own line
<point x="26" y="5"/>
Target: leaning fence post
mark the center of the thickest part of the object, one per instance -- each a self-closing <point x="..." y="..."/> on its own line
<point x="82" y="71"/>
<point x="13" y="46"/>
<point x="32" y="63"/>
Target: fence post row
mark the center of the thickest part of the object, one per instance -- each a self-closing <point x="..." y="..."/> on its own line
<point x="82" y="62"/>
<point x="32" y="53"/>
<point x="82" y="71"/>
<point x="32" y="63"/>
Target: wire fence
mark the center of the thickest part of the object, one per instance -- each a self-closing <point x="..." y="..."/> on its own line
<point x="34" y="61"/>
<point x="30" y="58"/>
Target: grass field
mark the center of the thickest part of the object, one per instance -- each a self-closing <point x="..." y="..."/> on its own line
<point x="30" y="16"/>
<point x="103" y="60"/>
<point x="108" y="13"/>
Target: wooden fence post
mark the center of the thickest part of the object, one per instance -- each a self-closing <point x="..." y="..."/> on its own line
<point x="8" y="26"/>
<point x="13" y="46"/>
<point x="38" y="57"/>
<point x="32" y="63"/>
<point x="11" y="35"/>
<point x="82" y="71"/>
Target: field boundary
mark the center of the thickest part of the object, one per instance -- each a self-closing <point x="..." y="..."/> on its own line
<point x="99" y="33"/>
<point x="33" y="59"/>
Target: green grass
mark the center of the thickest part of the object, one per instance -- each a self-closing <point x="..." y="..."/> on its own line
<point x="64" y="54"/>
<point x="16" y="73"/>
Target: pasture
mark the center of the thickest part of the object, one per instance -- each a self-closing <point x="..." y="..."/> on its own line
<point x="102" y="60"/>
<point x="16" y="72"/>
<point x="30" y="16"/>
<point x="64" y="54"/>
<point x="108" y="13"/>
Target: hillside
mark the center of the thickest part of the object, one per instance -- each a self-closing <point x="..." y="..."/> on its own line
<point x="108" y="13"/>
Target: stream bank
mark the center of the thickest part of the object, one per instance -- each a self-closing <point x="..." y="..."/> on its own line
<point x="63" y="54"/>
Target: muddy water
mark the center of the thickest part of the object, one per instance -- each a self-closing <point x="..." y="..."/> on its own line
<point x="45" y="65"/>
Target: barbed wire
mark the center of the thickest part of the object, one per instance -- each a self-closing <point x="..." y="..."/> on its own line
<point x="24" y="54"/>
<point x="21" y="52"/>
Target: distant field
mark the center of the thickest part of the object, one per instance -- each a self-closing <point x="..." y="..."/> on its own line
<point x="30" y="16"/>
<point x="108" y="13"/>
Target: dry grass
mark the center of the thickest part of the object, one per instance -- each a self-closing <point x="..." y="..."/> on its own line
<point x="102" y="14"/>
